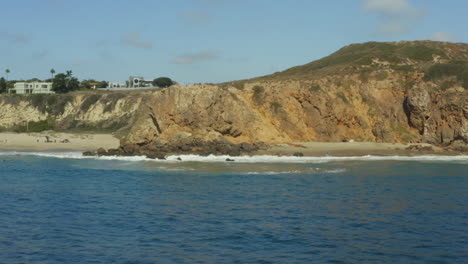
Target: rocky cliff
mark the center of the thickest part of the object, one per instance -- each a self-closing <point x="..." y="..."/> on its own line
<point x="404" y="92"/>
<point x="75" y="112"/>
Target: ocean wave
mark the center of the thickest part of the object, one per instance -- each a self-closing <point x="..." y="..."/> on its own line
<point x="310" y="171"/>
<point x="242" y="159"/>
<point x="47" y="154"/>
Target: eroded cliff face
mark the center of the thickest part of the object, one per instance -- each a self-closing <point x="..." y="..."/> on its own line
<point x="87" y="112"/>
<point x="398" y="108"/>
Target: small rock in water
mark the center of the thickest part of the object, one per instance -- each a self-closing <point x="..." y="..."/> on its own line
<point x="156" y="156"/>
<point x="178" y="158"/>
<point x="228" y="159"/>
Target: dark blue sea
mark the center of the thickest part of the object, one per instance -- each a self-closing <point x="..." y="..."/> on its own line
<point x="62" y="208"/>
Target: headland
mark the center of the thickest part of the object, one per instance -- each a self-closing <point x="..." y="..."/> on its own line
<point x="379" y="98"/>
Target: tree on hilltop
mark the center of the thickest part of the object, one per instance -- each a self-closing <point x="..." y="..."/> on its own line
<point x="87" y="84"/>
<point x="3" y="85"/>
<point x="162" y="82"/>
<point x="64" y="83"/>
<point x="102" y="84"/>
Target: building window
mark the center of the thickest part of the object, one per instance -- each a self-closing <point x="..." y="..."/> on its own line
<point x="44" y="86"/>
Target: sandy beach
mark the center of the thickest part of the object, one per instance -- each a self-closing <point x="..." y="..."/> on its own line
<point x="349" y="149"/>
<point x="47" y="141"/>
<point x="50" y="141"/>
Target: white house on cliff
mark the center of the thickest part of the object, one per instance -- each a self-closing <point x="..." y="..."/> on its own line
<point x="32" y="88"/>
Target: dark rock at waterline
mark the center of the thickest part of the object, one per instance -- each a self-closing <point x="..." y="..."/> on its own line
<point x="128" y="148"/>
<point x="247" y="147"/>
<point x="89" y="153"/>
<point x="420" y="148"/>
<point x="112" y="152"/>
<point x="159" y="150"/>
<point x="156" y="156"/>
<point x="101" y="151"/>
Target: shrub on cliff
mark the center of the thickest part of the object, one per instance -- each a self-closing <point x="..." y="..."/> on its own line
<point x="35" y="126"/>
<point x="459" y="69"/>
<point x="88" y="102"/>
<point x="258" y="94"/>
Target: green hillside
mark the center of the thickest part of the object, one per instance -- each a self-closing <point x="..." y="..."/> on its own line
<point x="400" y="56"/>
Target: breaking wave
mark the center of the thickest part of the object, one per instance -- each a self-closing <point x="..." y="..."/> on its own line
<point x="242" y="159"/>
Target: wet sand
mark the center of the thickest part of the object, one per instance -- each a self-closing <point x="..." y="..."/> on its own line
<point x="347" y="149"/>
<point x="47" y="141"/>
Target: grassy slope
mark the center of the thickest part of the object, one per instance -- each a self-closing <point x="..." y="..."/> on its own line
<point x="436" y="59"/>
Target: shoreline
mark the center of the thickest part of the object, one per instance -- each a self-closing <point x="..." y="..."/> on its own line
<point x="251" y="159"/>
<point x="49" y="141"/>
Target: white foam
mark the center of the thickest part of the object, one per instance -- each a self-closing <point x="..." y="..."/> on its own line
<point x="291" y="159"/>
<point x="243" y="159"/>
<point x="310" y="171"/>
<point x="62" y="155"/>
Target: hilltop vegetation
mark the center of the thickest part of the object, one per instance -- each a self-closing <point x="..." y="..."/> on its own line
<point x="397" y="56"/>
<point x="458" y="70"/>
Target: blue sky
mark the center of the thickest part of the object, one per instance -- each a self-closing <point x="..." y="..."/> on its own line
<point x="195" y="41"/>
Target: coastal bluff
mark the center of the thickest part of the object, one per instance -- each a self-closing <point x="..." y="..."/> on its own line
<point x="400" y="92"/>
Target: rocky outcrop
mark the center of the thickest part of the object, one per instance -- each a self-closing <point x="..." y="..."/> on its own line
<point x="159" y="150"/>
<point x="418" y="107"/>
<point x="448" y="122"/>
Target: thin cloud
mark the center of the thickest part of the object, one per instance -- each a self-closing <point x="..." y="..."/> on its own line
<point x="17" y="38"/>
<point x="55" y="2"/>
<point x="443" y="36"/>
<point x="212" y="3"/>
<point x="387" y="7"/>
<point x="196" y="57"/>
<point x="79" y="62"/>
<point x="40" y="55"/>
<point x="197" y="17"/>
<point x="396" y="16"/>
<point x="392" y="28"/>
<point x="106" y="56"/>
<point x="103" y="43"/>
<point x="133" y="39"/>
<point x="105" y="50"/>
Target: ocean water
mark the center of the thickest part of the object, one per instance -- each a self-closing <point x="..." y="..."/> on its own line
<point x="63" y="208"/>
